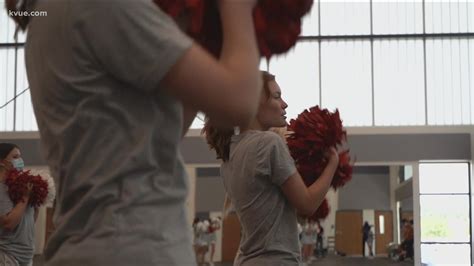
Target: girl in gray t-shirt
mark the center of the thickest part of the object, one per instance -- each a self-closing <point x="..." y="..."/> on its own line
<point x="263" y="184"/>
<point x="17" y="221"/>
<point x="115" y="86"/>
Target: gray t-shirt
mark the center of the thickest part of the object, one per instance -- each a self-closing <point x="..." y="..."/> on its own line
<point x="18" y="243"/>
<point x="109" y="133"/>
<point x="259" y="164"/>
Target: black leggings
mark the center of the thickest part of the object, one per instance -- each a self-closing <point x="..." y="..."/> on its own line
<point x="407" y="245"/>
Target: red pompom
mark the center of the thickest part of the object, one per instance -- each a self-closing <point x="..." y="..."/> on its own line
<point x="317" y="127"/>
<point x="279" y="36"/>
<point x="277" y="22"/>
<point x="287" y="8"/>
<point x="17" y="182"/>
<point x="211" y="229"/>
<point x="322" y="212"/>
<point x="313" y="132"/>
<point x="344" y="170"/>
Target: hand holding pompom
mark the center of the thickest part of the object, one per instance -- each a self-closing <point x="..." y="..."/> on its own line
<point x="277" y="22"/>
<point x="22" y="184"/>
<point x="315" y="135"/>
<point x="344" y="170"/>
<point x="44" y="174"/>
<point x="322" y="212"/>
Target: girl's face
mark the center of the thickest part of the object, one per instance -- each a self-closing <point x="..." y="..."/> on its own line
<point x="271" y="112"/>
<point x="14" y="157"/>
<point x="14" y="154"/>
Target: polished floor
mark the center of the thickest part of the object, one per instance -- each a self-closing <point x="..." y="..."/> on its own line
<point x="331" y="260"/>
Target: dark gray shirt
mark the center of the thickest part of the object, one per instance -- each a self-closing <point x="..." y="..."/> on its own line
<point x="18" y="243"/>
<point x="109" y="132"/>
<point x="259" y="164"/>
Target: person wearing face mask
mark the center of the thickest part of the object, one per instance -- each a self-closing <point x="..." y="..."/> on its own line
<point x="17" y="221"/>
<point x="11" y="153"/>
<point x="261" y="181"/>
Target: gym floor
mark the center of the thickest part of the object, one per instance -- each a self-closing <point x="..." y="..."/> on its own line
<point x="330" y="260"/>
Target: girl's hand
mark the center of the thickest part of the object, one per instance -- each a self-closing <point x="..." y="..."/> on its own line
<point x="29" y="191"/>
<point x="332" y="156"/>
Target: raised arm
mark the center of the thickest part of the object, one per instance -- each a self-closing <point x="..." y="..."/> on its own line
<point x="306" y="200"/>
<point x="227" y="89"/>
<point x="10" y="220"/>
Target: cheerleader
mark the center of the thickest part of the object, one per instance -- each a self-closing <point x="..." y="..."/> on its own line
<point x="263" y="184"/>
<point x="307" y="241"/>
<point x="200" y="229"/>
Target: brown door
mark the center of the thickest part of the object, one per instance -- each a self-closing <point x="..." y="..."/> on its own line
<point x="230" y="237"/>
<point x="383" y="238"/>
<point x="349" y="232"/>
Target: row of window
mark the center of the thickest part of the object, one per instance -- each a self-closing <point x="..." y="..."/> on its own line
<point x="389" y="17"/>
<point x="384" y="82"/>
<point x="389" y="88"/>
<point x="382" y="85"/>
<point x="360" y="17"/>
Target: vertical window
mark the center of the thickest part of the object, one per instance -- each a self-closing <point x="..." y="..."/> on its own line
<point x="297" y="73"/>
<point x="445" y="213"/>
<point x="346" y="80"/>
<point x="399" y="83"/>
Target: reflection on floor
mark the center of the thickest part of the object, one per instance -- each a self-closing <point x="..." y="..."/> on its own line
<point x="331" y="260"/>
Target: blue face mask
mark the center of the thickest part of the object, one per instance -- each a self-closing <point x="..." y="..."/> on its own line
<point x="18" y="164"/>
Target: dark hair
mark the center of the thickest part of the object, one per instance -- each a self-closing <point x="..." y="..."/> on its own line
<point x="219" y="138"/>
<point x="5" y="149"/>
<point x="12" y="5"/>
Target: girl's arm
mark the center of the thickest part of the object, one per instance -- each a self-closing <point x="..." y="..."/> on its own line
<point x="227" y="89"/>
<point x="11" y="220"/>
<point x="306" y="200"/>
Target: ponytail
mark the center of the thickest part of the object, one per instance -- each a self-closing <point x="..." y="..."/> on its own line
<point x="218" y="139"/>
